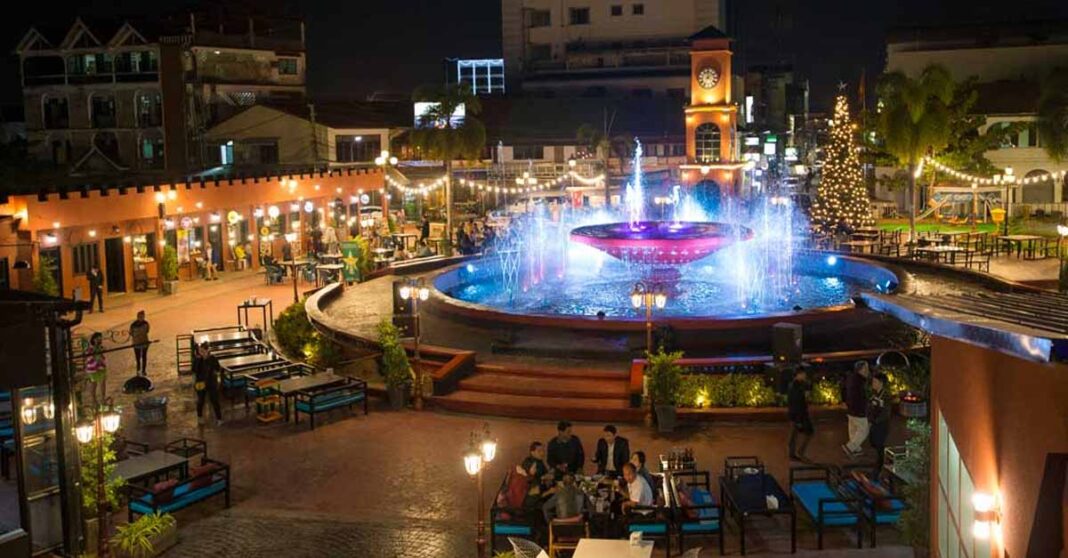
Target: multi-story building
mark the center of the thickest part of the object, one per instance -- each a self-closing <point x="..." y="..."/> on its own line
<point x="597" y="47"/>
<point x="138" y="96"/>
<point x="1010" y="61"/>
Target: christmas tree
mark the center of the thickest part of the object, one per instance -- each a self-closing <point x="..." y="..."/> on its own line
<point x="842" y="199"/>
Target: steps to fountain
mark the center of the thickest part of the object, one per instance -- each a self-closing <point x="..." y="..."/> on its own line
<point x="543" y="393"/>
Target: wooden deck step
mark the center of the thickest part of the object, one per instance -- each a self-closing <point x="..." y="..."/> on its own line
<point x="542" y="408"/>
<point x="547" y="386"/>
<point x="621" y="373"/>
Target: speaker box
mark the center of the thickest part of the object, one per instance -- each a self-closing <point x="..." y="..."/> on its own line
<point x="786" y="343"/>
<point x="400" y="305"/>
<point x="405" y="325"/>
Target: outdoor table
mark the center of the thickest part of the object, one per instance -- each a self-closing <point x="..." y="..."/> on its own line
<point x="323" y="271"/>
<point x="382" y="256"/>
<point x="265" y="306"/>
<point x="294" y="266"/>
<point x="405" y="237"/>
<point x="289" y="387"/>
<point x="862" y="246"/>
<point x="1019" y="240"/>
<point x="240" y="362"/>
<point x="746" y="495"/>
<point x="332" y="256"/>
<point x="439" y="244"/>
<point x="864" y="235"/>
<point x="938" y="251"/>
<point x="152" y="464"/>
<point x="612" y="548"/>
<point x="222" y="338"/>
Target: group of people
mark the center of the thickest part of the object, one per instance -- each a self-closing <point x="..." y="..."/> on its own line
<point x="475" y="236"/>
<point x="545" y="484"/>
<point x="867" y="410"/>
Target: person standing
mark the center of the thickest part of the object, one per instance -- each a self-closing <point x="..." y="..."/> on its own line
<point x="424" y="229"/>
<point x="209" y="263"/>
<point x="878" y="414"/>
<point x="612" y="452"/>
<point x="565" y="451"/>
<point x="96" y="288"/>
<point x="797" y="411"/>
<point x="139" y="339"/>
<point x="856" y="399"/>
<point x="206" y="374"/>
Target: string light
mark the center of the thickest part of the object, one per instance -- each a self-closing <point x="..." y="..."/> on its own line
<point x="965" y="177"/>
<point x="425" y="189"/>
<point x="842" y="197"/>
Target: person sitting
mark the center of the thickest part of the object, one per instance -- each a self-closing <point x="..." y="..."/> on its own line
<point x="638" y="491"/>
<point x="638" y="460"/>
<point x="422" y="250"/>
<point x="565" y="451"/>
<point x="536" y="459"/>
<point x="612" y="452"/>
<point x="514" y="493"/>
<point x="569" y="499"/>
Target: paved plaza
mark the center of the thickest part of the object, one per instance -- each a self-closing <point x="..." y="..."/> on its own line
<point x="389" y="483"/>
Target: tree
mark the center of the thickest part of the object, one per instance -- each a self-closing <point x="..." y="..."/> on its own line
<point x="439" y="137"/>
<point x="842" y="197"/>
<point x="914" y="121"/>
<point x="1053" y="115"/>
<point x="44" y="279"/>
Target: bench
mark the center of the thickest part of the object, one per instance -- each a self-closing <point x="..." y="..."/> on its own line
<point x="280" y="372"/>
<point x="694" y="509"/>
<point x="209" y="479"/>
<point x="321" y="400"/>
<point x="878" y="504"/>
<point x="816" y="491"/>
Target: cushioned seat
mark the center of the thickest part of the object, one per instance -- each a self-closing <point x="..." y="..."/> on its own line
<point x="882" y="517"/>
<point x="329" y="402"/>
<point x="184" y="495"/>
<point x="809" y="494"/>
<point x="705" y="526"/>
<point x="512" y="529"/>
<point x="651" y="528"/>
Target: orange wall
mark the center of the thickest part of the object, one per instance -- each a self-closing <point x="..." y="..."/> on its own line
<point x="1006" y="414"/>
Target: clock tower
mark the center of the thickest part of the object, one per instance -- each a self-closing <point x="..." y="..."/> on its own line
<point x="711" y="117"/>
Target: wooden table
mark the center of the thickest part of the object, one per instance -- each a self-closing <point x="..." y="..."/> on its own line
<point x="247" y="361"/>
<point x="612" y="548"/>
<point x="1019" y="240"/>
<point x="294" y="266"/>
<point x="152" y="464"/>
<point x="222" y="338"/>
<point x="322" y="270"/>
<point x="939" y="250"/>
<point x="862" y="246"/>
<point x="265" y="306"/>
<point x="289" y="387"/>
<point x="746" y="495"/>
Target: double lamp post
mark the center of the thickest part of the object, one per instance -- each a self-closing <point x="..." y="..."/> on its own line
<point x="415" y="291"/>
<point x="482" y="450"/>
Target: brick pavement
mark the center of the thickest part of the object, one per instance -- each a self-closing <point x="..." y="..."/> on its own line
<point x="393" y="481"/>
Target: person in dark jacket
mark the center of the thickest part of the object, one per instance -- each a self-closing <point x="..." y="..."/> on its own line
<point x="612" y="452"/>
<point x="797" y="411"/>
<point x="424" y="229"/>
<point x="206" y="383"/>
<point x="856" y="400"/>
<point x="139" y="339"/>
<point x="96" y="288"/>
<point x="565" y="453"/>
<point x="878" y="414"/>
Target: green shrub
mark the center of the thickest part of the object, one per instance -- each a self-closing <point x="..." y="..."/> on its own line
<point x="168" y="266"/>
<point x="916" y="377"/>
<point x="44" y="280"/>
<point x="394" y="368"/>
<point x="825" y="392"/>
<point x="135" y="539"/>
<point x="293" y="330"/>
<point x="726" y="390"/>
<point x="665" y="376"/>
<point x="916" y="465"/>
<point x="91" y="454"/>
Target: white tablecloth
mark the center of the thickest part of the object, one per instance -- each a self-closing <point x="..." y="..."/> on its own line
<point x="608" y="548"/>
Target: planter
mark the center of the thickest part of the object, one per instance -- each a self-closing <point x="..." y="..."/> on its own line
<point x="398" y="397"/>
<point x="912" y="405"/>
<point x="665" y="417"/>
<point x="91" y="536"/>
<point x="151" y="411"/>
<point x="170" y="287"/>
<point x="160" y="544"/>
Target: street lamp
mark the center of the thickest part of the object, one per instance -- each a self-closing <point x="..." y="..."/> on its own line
<point x="415" y="290"/>
<point x="648" y="296"/>
<point x="482" y="450"/>
<point x="385" y="158"/>
<point x="105" y="421"/>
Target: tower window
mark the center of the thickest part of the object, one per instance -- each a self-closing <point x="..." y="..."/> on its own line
<point x="707" y="143"/>
<point x="637" y="9"/>
<point x="617" y="10"/>
<point x="579" y="16"/>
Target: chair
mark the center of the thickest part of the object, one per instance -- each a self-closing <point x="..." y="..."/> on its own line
<point x="818" y="493"/>
<point x="564" y="534"/>
<point x="526" y="549"/>
<point x="274" y="273"/>
<point x="695" y="513"/>
<point x="651" y="521"/>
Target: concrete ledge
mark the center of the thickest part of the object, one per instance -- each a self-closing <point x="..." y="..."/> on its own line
<point x="756" y="414"/>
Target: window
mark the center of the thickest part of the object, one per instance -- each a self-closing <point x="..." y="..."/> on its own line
<point x="357" y="149"/>
<point x="706" y="143"/>
<point x="86" y="257"/>
<point x="678" y="150"/>
<point x="637" y="9"/>
<point x="579" y="16"/>
<point x="540" y="18"/>
<point x="102" y="111"/>
<point x="616" y="10"/>
<point x="152" y="153"/>
<point x="287" y="66"/>
<point x="55" y="113"/>
<point x="524" y="152"/>
<point x="149" y="110"/>
<point x="954" y="503"/>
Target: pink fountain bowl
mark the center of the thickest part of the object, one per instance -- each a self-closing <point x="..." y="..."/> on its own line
<point x="661" y="243"/>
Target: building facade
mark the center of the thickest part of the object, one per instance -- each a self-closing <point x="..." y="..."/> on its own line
<point x="1010" y="62"/>
<point x="597" y="47"/>
<point x="138" y="97"/>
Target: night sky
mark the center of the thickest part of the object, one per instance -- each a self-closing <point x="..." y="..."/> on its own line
<point x="359" y="46"/>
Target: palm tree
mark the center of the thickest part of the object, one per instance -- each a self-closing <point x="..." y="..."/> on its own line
<point x="1053" y="115"/>
<point x="438" y="137"/>
<point x="913" y="121"/>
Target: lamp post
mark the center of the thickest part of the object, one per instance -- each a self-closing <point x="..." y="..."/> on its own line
<point x="1062" y="272"/>
<point x="481" y="452"/>
<point x="385" y="161"/>
<point x="416" y="291"/>
<point x="648" y="296"/>
<point x="105" y="420"/>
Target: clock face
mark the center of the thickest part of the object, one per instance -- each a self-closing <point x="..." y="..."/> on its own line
<point x="708" y="77"/>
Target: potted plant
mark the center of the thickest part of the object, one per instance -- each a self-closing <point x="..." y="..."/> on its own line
<point x="168" y="270"/>
<point x="151" y="535"/>
<point x="915" y="465"/>
<point x="93" y="458"/>
<point x="394" y="365"/>
<point x="665" y="379"/>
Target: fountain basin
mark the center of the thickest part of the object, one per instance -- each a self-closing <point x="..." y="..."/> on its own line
<point x="662" y="243"/>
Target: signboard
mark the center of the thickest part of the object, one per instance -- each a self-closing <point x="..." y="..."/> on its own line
<point x="422" y="108"/>
<point x="350" y="258"/>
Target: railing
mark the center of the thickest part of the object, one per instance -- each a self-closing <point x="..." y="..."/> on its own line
<point x="1058" y="209"/>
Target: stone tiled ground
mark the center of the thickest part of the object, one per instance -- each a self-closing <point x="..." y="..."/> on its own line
<point x="390" y="482"/>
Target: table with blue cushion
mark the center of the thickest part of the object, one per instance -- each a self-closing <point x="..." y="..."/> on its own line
<point x="745" y="495"/>
<point x="817" y="492"/>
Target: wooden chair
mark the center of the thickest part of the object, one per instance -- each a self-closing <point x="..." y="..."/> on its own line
<point x="564" y="534"/>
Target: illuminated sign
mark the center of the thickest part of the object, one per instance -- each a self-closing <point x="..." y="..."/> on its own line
<point x="425" y="114"/>
<point x="791" y="153"/>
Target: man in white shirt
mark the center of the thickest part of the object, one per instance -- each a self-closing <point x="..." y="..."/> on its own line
<point x="638" y="491"/>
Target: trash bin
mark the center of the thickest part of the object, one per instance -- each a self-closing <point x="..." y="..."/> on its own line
<point x="151" y="411"/>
